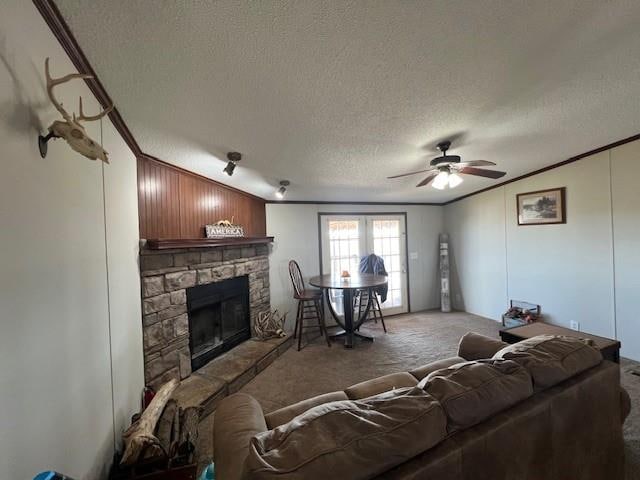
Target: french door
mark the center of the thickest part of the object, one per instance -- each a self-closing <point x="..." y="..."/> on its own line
<point x="348" y="238"/>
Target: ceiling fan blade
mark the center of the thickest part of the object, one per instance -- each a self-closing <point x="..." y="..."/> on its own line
<point x="411" y="173"/>
<point x="475" y="163"/>
<point x="481" y="172"/>
<point x="427" y="180"/>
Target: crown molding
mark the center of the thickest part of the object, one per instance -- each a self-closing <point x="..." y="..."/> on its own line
<point x="580" y="156"/>
<point x="328" y="202"/>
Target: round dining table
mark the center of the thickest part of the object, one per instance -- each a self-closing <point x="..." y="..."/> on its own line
<point x="349" y="286"/>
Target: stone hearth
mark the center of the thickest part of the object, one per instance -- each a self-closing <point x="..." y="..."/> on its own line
<point x="166" y="274"/>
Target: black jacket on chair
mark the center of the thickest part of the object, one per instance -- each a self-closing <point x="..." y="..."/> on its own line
<point x="375" y="264"/>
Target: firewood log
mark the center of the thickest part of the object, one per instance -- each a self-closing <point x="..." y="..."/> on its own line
<point x="164" y="430"/>
<point x="175" y="434"/>
<point x="139" y="436"/>
<point x="189" y="420"/>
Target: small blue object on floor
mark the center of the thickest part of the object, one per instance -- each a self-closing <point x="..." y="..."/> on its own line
<point x="51" y="475"/>
<point x="209" y="473"/>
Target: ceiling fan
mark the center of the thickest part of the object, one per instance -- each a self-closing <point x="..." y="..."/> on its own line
<point x="444" y="170"/>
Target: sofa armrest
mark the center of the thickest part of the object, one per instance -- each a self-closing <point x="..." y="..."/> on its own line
<point x="625" y="404"/>
<point x="237" y="418"/>
<point x="474" y="346"/>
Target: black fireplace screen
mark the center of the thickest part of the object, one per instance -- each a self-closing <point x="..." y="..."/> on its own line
<point x="219" y="318"/>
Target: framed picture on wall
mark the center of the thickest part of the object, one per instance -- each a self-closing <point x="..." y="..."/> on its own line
<point x="542" y="207"/>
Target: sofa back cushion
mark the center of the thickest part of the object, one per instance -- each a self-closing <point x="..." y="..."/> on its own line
<point x="353" y="439"/>
<point x="473" y="346"/>
<point x="473" y="391"/>
<point x="378" y="385"/>
<point x="286" y="414"/>
<point x="421" y="372"/>
<point x="551" y="359"/>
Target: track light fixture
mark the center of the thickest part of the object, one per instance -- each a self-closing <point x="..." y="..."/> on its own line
<point x="234" y="158"/>
<point x="283" y="188"/>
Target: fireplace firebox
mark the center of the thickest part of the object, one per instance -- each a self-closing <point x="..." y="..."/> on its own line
<point x="219" y="318"/>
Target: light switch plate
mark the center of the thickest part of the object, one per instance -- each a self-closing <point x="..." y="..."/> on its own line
<point x="413" y="255"/>
<point x="575" y="326"/>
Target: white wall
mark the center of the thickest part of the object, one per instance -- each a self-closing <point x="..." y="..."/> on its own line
<point x="625" y="172"/>
<point x="69" y="286"/>
<point x="585" y="270"/>
<point x="477" y="254"/>
<point x="295" y="228"/>
<point x="122" y="240"/>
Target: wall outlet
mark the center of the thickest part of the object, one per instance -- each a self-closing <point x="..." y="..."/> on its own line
<point x="575" y="326"/>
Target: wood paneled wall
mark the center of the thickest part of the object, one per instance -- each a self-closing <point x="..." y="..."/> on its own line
<point x="174" y="203"/>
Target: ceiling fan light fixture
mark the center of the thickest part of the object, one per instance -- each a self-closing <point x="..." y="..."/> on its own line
<point x="441" y="180"/>
<point x="444" y="171"/>
<point x="454" y="180"/>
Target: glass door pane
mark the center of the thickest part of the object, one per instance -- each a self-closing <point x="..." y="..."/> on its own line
<point x="343" y="243"/>
<point x="387" y="235"/>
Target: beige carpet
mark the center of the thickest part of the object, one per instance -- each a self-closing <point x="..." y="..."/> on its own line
<point x="412" y="340"/>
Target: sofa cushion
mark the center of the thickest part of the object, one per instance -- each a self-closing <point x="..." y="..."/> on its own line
<point x="551" y="359"/>
<point x="425" y="370"/>
<point x="282" y="416"/>
<point x="237" y="418"/>
<point x="473" y="346"/>
<point x="473" y="391"/>
<point x="349" y="439"/>
<point x="380" y="384"/>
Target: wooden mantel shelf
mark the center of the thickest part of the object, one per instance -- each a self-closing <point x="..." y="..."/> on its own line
<point x="165" y="244"/>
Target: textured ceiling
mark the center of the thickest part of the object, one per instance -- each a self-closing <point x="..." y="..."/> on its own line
<point x="336" y="95"/>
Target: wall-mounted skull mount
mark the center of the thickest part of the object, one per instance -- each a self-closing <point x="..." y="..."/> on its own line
<point x="70" y="128"/>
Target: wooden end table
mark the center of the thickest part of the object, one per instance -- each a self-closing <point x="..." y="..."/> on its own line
<point x="609" y="348"/>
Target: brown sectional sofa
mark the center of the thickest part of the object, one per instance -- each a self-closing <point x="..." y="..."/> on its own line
<point x="546" y="408"/>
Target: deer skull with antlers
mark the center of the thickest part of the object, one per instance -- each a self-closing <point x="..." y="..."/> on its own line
<point x="71" y="129"/>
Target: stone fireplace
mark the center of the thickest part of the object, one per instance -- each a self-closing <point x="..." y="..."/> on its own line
<point x="198" y="303"/>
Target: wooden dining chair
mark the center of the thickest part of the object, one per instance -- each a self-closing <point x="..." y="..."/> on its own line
<point x="310" y="305"/>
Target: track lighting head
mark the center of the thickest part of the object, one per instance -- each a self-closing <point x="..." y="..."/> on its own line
<point x="234" y="158"/>
<point x="283" y="188"/>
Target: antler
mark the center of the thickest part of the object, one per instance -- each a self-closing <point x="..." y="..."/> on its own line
<point x="51" y="82"/>
<point x="81" y="115"/>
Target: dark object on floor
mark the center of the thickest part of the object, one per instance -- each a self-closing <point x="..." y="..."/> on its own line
<point x="310" y="306"/>
<point x="609" y="348"/>
<point x="375" y="264"/>
<point x="520" y="313"/>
